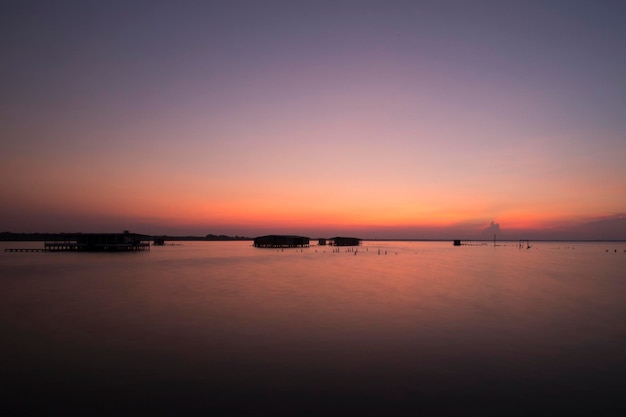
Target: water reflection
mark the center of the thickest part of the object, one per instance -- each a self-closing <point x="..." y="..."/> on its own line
<point x="426" y="329"/>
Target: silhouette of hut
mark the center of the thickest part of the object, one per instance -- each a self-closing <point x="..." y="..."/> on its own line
<point x="281" y="241"/>
<point x="345" y="241"/>
<point x="110" y="242"/>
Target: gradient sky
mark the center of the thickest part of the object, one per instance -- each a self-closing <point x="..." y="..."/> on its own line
<point x="397" y="119"/>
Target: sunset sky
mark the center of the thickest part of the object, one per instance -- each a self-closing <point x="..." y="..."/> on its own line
<point x="382" y="119"/>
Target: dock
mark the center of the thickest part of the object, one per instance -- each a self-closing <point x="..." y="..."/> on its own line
<point x="281" y="241"/>
<point x="344" y="241"/>
<point x="458" y="242"/>
<point x="26" y="250"/>
<point x="93" y="242"/>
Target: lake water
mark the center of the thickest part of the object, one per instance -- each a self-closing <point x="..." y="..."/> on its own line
<point x="397" y="328"/>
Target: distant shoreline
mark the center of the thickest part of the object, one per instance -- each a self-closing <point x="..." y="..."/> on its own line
<point x="42" y="237"/>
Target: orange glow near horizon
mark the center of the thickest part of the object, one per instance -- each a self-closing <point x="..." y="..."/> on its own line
<point x="212" y="199"/>
<point x="311" y="217"/>
<point x="364" y="201"/>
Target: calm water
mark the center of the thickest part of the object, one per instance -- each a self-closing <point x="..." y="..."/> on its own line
<point x="420" y="329"/>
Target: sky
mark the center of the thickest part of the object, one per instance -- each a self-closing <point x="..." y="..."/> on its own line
<point x="380" y="119"/>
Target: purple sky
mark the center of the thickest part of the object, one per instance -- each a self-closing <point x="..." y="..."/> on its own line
<point x="412" y="119"/>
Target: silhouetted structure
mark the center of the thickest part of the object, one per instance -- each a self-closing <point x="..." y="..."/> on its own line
<point x="345" y="241"/>
<point x="321" y="242"/>
<point x="158" y="241"/>
<point x="458" y="242"/>
<point x="100" y="242"/>
<point x="281" y="241"/>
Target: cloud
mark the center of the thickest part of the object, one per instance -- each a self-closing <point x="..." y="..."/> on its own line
<point x="492" y="229"/>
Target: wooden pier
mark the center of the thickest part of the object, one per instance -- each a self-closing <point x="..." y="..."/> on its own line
<point x="289" y="241"/>
<point x="49" y="247"/>
<point x="344" y="241"/>
<point x="458" y="242"/>
<point x="93" y="242"/>
<point x="281" y="241"/>
<point x="26" y="250"/>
